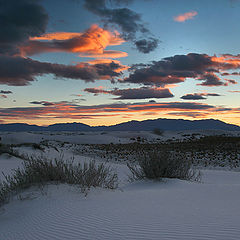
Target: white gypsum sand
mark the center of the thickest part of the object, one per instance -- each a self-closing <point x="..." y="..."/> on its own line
<point x="172" y="209"/>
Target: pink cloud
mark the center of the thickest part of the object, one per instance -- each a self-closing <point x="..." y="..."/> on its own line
<point x="185" y="16"/>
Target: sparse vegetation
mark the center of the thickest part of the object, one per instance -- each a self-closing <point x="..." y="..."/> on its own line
<point x="40" y="171"/>
<point x="156" y="164"/>
<point x="214" y="151"/>
<point x="172" y="159"/>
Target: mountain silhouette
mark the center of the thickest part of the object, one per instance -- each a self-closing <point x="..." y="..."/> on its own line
<point x="146" y="125"/>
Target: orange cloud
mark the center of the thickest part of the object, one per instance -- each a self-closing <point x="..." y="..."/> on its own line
<point x="66" y="109"/>
<point x="91" y="43"/>
<point x="185" y="16"/>
<point x="50" y="111"/>
<point x="189" y="114"/>
<point x="227" y="61"/>
<point x="105" y="54"/>
<point x="56" y="36"/>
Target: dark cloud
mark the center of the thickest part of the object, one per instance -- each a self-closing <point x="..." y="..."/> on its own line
<point x="26" y="70"/>
<point x="212" y="94"/>
<point x="170" y="70"/>
<point x="177" y="68"/>
<point x="151" y="76"/>
<point x="5" y="92"/>
<point x="190" y="62"/>
<point x="194" y="96"/>
<point x="229" y="74"/>
<point x="198" y="96"/>
<point x="225" y="74"/>
<point x="147" y="46"/>
<point x="211" y="80"/>
<point x="20" y="20"/>
<point x="43" y="103"/>
<point x="129" y="22"/>
<point x="231" y="81"/>
<point x="142" y="93"/>
<point x="96" y="91"/>
<point x="133" y="93"/>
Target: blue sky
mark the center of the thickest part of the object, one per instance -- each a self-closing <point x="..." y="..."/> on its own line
<point x="214" y="30"/>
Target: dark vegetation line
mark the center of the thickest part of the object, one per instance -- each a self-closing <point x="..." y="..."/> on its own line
<point x="215" y="151"/>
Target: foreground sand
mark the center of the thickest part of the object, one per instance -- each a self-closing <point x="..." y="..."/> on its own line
<point x="172" y="209"/>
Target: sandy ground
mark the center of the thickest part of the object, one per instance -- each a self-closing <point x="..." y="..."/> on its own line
<point x="104" y="137"/>
<point x="172" y="209"/>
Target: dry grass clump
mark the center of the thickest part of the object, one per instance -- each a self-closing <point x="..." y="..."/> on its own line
<point x="156" y="164"/>
<point x="5" y="149"/>
<point x="8" y="149"/>
<point x="158" y="131"/>
<point x="40" y="171"/>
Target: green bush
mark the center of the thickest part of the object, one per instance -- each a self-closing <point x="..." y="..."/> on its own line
<point x="40" y="171"/>
<point x="154" y="164"/>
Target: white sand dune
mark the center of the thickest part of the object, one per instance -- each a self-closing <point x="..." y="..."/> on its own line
<point x="103" y="137"/>
<point x="172" y="209"/>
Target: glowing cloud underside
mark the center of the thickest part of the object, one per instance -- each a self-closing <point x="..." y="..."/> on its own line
<point x="91" y="43"/>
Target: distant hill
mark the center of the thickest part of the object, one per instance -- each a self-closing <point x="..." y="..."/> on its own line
<point x="146" y="125"/>
<point x="70" y="127"/>
<point x="172" y="124"/>
<point x="19" y="127"/>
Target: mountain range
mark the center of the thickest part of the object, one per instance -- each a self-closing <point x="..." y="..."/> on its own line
<point x="146" y="125"/>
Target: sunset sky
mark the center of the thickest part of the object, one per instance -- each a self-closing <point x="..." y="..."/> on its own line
<point x="102" y="62"/>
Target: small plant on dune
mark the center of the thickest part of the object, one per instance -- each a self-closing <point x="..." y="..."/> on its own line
<point x="158" y="131"/>
<point x="154" y="164"/>
<point x="40" y="171"/>
<point x="7" y="149"/>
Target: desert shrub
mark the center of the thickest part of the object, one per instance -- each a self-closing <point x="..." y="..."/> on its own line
<point x="8" y="149"/>
<point x="34" y="146"/>
<point x="40" y="171"/>
<point x="155" y="164"/>
<point x="158" y="131"/>
<point x="5" y="148"/>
